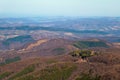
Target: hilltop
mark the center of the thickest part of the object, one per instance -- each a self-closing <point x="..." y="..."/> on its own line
<point x="51" y="59"/>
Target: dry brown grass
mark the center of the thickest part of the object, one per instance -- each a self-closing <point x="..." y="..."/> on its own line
<point x="106" y="65"/>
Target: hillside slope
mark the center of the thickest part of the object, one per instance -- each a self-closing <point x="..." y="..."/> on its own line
<point x="101" y="67"/>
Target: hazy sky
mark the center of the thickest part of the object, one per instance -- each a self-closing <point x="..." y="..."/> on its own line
<point x="24" y="8"/>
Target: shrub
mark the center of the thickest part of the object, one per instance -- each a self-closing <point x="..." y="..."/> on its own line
<point x="87" y="44"/>
<point x="25" y="71"/>
<point x="82" y="53"/>
<point x="88" y="77"/>
<point x="7" y="61"/>
<point x="59" y="51"/>
<point x="4" y="75"/>
<point x="56" y="73"/>
<point x="10" y="60"/>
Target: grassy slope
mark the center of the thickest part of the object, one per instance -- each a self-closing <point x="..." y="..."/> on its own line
<point x="101" y="67"/>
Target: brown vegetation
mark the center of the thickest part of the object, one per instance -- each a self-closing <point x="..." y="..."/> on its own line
<point x="105" y="66"/>
<point x="35" y="65"/>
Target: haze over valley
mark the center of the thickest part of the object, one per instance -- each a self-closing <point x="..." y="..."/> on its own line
<point x="59" y="40"/>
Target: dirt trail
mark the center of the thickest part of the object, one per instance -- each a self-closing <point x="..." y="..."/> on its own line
<point x="36" y="44"/>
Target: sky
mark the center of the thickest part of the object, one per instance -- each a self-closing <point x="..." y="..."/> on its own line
<point x="83" y="8"/>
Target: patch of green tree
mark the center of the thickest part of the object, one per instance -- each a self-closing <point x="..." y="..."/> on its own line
<point x="25" y="71"/>
<point x="59" y="50"/>
<point x="88" y="77"/>
<point x="4" y="75"/>
<point x="21" y="39"/>
<point x="87" y="44"/>
<point x="83" y="53"/>
<point x="10" y="60"/>
<point x="55" y="72"/>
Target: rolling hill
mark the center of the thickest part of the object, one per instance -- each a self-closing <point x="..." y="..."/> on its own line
<point x="50" y="59"/>
<point x="64" y="67"/>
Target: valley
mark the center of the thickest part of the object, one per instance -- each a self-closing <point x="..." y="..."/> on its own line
<point x="60" y="48"/>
